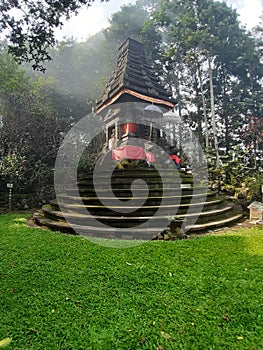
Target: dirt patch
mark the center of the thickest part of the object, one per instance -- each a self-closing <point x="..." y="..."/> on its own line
<point x="31" y="223"/>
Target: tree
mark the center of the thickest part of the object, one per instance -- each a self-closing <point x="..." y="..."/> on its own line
<point x="200" y="30"/>
<point x="30" y="26"/>
<point x="80" y="71"/>
<point x="216" y="72"/>
<point x="132" y="21"/>
<point x="30" y="127"/>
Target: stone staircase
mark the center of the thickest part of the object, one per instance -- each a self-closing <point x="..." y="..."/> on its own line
<point x="200" y="208"/>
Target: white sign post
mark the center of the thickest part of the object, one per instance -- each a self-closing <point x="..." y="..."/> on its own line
<point x="9" y="185"/>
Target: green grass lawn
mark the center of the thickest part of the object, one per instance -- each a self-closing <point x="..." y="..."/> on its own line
<point x="64" y="292"/>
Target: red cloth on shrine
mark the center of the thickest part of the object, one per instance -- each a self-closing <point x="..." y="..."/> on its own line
<point x="129" y="127"/>
<point x="128" y="151"/>
<point x="176" y="159"/>
<point x="150" y="157"/>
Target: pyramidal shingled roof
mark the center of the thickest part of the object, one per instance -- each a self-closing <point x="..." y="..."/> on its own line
<point x="134" y="76"/>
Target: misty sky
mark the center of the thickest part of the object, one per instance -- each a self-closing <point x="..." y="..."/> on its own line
<point x="92" y="20"/>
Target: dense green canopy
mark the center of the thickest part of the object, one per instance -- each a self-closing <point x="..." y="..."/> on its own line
<point x="30" y="25"/>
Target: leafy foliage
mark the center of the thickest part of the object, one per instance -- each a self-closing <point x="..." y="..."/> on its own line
<point x="30" y="26"/>
<point x="215" y="68"/>
<point x="133" y="21"/>
<point x="29" y="133"/>
<point x="196" y="33"/>
<point x="237" y="175"/>
<point x="80" y="71"/>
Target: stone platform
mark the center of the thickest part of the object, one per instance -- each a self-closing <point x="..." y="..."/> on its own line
<point x="200" y="208"/>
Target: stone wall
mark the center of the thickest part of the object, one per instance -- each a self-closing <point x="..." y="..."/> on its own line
<point x="27" y="201"/>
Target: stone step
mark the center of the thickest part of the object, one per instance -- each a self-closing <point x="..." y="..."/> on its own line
<point x="130" y="173"/>
<point x="117" y="219"/>
<point x="123" y="192"/>
<point x="178" y="196"/>
<point x="123" y="180"/>
<point x="126" y="184"/>
<point x="173" y="199"/>
<point x="55" y="214"/>
<point x="123" y="206"/>
<point x="128" y="234"/>
<point x="115" y="210"/>
<point x="215" y="224"/>
<point x="97" y="232"/>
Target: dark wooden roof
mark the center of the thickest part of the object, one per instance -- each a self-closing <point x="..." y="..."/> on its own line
<point x="133" y="75"/>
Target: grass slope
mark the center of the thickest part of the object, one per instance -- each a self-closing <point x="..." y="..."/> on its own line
<point x="64" y="292"/>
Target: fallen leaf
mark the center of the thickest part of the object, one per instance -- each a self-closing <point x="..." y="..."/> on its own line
<point x="166" y="335"/>
<point x="143" y="340"/>
<point x="32" y="330"/>
<point x="160" y="347"/>
<point x="5" y="342"/>
<point x="240" y="338"/>
<point x="226" y="318"/>
<point x="170" y="274"/>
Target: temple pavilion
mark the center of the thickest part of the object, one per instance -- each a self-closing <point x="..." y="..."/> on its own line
<point x="132" y="106"/>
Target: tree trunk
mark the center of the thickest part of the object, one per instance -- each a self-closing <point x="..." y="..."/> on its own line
<point x="204" y="107"/>
<point x="213" y="112"/>
<point x="179" y="99"/>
